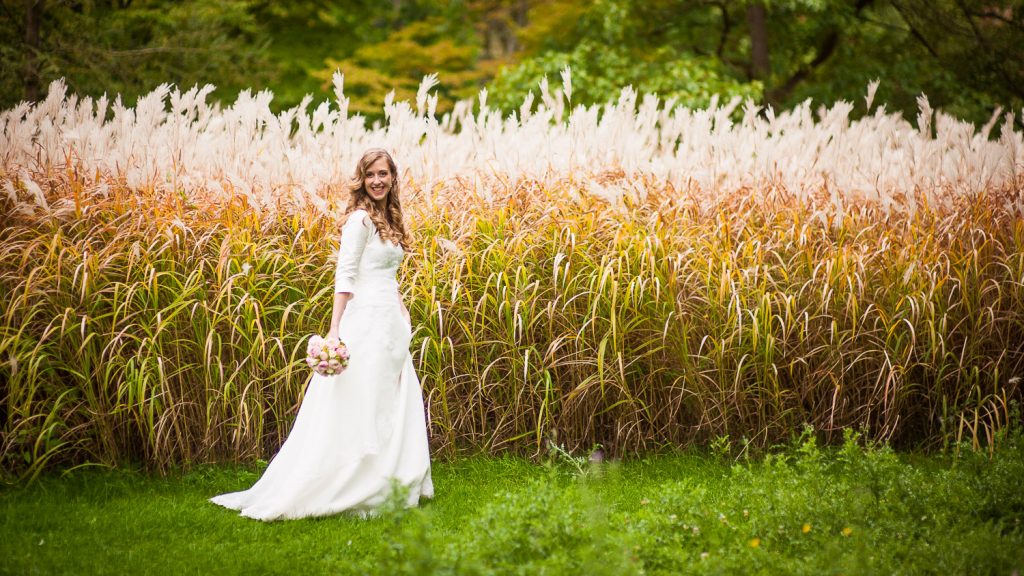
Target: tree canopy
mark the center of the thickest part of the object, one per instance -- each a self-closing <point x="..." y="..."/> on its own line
<point x="966" y="55"/>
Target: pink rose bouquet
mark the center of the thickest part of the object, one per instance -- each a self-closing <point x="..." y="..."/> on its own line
<point x="326" y="356"/>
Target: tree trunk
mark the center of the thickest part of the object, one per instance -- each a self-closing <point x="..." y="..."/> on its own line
<point x="33" y="22"/>
<point x="520" y="13"/>
<point x="757" y="20"/>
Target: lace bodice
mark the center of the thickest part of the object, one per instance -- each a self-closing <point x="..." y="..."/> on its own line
<point x="367" y="264"/>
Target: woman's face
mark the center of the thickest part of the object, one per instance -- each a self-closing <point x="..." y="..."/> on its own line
<point x="378" y="180"/>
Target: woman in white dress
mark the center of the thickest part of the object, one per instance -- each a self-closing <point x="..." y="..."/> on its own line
<point x="358" y="433"/>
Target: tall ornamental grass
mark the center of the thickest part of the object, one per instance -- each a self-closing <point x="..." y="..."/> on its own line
<point x="600" y="290"/>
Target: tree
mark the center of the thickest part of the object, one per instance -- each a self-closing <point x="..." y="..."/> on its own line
<point x="981" y="43"/>
<point x="127" y="46"/>
<point x="966" y="55"/>
<point x="820" y="47"/>
<point x="610" y="44"/>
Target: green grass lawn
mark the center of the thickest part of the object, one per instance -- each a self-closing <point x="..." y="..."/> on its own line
<point x="802" y="509"/>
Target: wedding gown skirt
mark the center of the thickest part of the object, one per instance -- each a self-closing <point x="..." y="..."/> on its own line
<point x="357" y="433"/>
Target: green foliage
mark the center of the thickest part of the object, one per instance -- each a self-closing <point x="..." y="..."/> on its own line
<point x="130" y="48"/>
<point x="598" y="76"/>
<point x="559" y="26"/>
<point x="400" y="62"/>
<point x="965" y="55"/>
<point x="873" y="43"/>
<point x="604" y="48"/>
<point x="536" y="527"/>
<point x="801" y="509"/>
<point x="976" y="43"/>
<point x="301" y="35"/>
<point x="827" y="50"/>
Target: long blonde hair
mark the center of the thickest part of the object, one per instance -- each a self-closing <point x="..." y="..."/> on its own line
<point x="390" y="221"/>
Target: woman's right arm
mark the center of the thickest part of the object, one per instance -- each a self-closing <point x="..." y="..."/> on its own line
<point x="340" y="302"/>
<point x="353" y="240"/>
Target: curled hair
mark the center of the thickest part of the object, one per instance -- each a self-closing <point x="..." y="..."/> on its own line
<point x="390" y="221"/>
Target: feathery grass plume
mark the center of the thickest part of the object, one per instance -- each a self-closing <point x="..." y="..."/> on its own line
<point x="879" y="158"/>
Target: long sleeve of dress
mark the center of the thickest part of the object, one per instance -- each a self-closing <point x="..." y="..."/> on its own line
<point x="354" y="235"/>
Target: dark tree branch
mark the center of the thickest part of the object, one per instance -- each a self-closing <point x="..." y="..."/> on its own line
<point x="884" y="25"/>
<point x="981" y="63"/>
<point x="990" y="15"/>
<point x="826" y="49"/>
<point x="156" y="50"/>
<point x="726" y="28"/>
<point x="723" y="39"/>
<point x="999" y="66"/>
<point x="914" y="31"/>
<point x="974" y="27"/>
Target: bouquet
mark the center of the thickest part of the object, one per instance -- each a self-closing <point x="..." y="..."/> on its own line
<point x="326" y="356"/>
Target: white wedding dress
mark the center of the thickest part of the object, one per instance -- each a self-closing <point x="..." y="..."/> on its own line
<point x="359" y="432"/>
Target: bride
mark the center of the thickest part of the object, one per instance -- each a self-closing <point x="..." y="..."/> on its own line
<point x="359" y="432"/>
